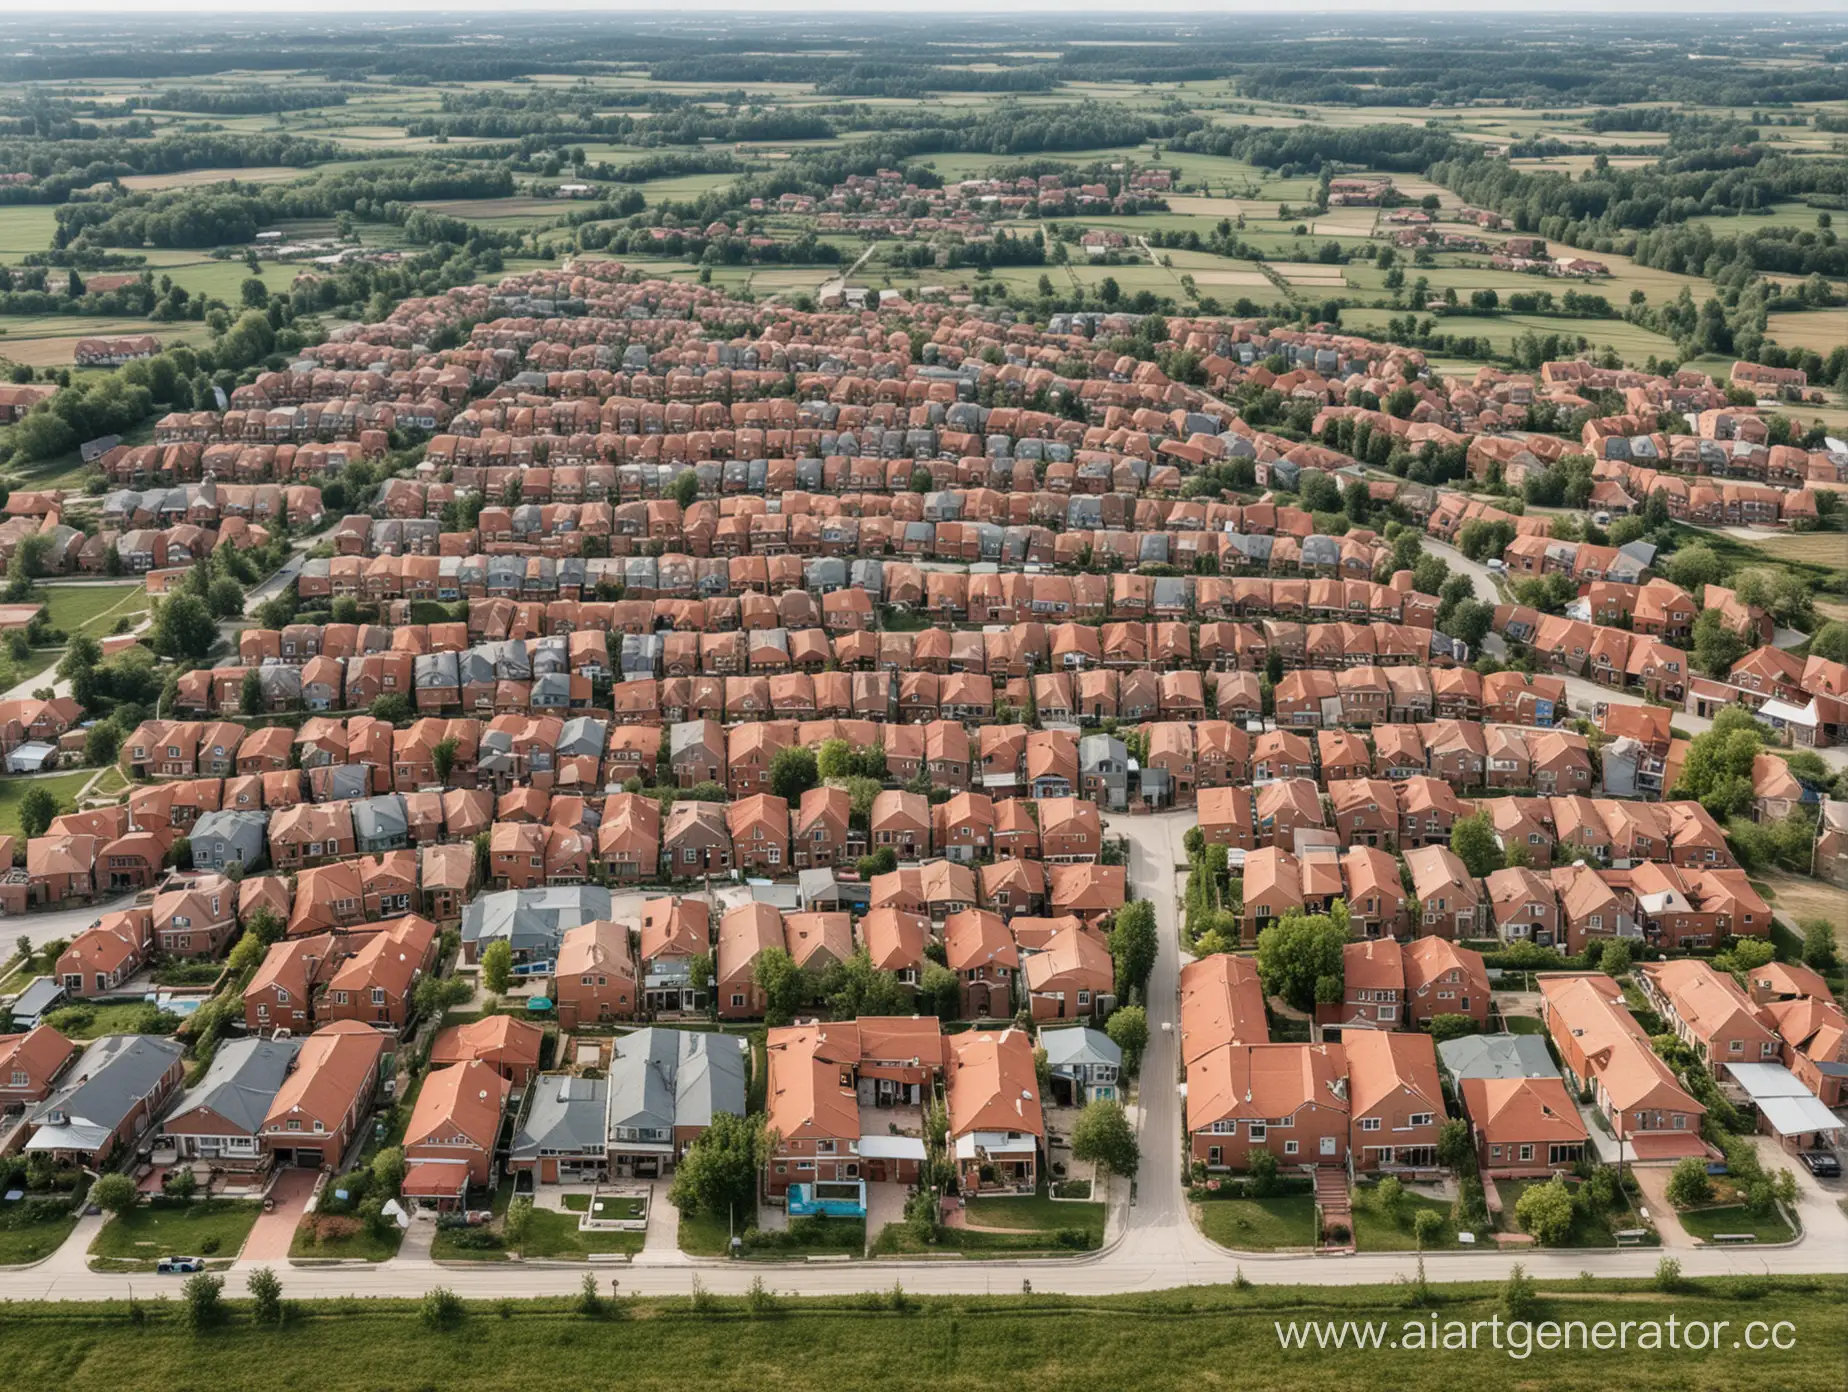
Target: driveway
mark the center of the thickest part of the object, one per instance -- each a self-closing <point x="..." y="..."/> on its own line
<point x="273" y="1231"/>
<point x="1653" y="1181"/>
<point x="885" y="1203"/>
<point x="1818" y="1200"/>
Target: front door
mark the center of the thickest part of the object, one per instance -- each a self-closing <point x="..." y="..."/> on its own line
<point x="1328" y="1145"/>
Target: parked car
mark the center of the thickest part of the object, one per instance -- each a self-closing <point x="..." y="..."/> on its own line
<point x="179" y="1266"/>
<point x="1822" y="1164"/>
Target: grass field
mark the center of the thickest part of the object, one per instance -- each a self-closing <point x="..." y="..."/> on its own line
<point x="22" y="1242"/>
<point x="1823" y="330"/>
<point x="1734" y="1218"/>
<point x="310" y="1243"/>
<point x="556" y="1236"/>
<point x="83" y="1021"/>
<point x="1260" y="1225"/>
<point x="95" y="608"/>
<point x="50" y="340"/>
<point x="1634" y="343"/>
<point x="62" y="786"/>
<point x="1201" y="1336"/>
<point x="25" y="227"/>
<point x="1586" y="1232"/>
<point x="191" y="178"/>
<point x="206" y="1227"/>
<point x="1375" y="1230"/>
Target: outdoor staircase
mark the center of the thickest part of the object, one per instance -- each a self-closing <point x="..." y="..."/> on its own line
<point x="1334" y="1206"/>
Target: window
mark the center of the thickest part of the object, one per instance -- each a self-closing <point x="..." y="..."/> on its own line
<point x="1369" y="1123"/>
<point x="1289" y="1147"/>
<point x="1527" y="1152"/>
<point x="737" y="1000"/>
<point x="1422" y="1118"/>
<point x="1258" y="1131"/>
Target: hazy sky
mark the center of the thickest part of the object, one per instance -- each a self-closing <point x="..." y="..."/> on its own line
<point x="1052" y="9"/>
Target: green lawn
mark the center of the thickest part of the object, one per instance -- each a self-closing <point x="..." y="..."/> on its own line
<point x="213" y="1228"/>
<point x="86" y="1021"/>
<point x="1039" y="1213"/>
<point x="23" y="1242"/>
<point x="1260" y="1225"/>
<point x="312" y="1241"/>
<point x="550" y="1233"/>
<point x="93" y="608"/>
<point x="607" y="1206"/>
<point x="1735" y="1218"/>
<point x="62" y="786"/>
<point x="1375" y="1230"/>
<point x="1199" y="1336"/>
<point x="705" y="1234"/>
<point x="1523" y="1024"/>
<point x="444" y="1247"/>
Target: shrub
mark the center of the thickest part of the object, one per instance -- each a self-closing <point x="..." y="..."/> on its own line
<point x="265" y="1296"/>
<point x="1519" y="1297"/>
<point x="441" y="1309"/>
<point x="1689" y="1186"/>
<point x="1668" y="1275"/>
<point x="204" y="1296"/>
<point x="588" y="1301"/>
<point x="760" y="1299"/>
<point x="1336" y="1232"/>
<point x="1261" y="1175"/>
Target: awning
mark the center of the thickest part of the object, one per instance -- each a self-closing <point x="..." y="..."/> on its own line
<point x="891" y="1148"/>
<point x="433" y="1179"/>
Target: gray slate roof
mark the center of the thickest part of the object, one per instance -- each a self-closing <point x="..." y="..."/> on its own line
<point x="662" y="1078"/>
<point x="566" y="1114"/>
<point x="1497" y="1056"/>
<point x="243" y="1080"/>
<point x="102" y="1087"/>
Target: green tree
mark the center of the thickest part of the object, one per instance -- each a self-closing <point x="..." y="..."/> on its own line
<point x="1296" y="953"/>
<point x="1688" y="1184"/>
<point x="856" y="987"/>
<point x="1389" y="1196"/>
<point x="1133" y="945"/>
<point x="718" y="1174"/>
<point x="1102" y="1134"/>
<point x="1819" y="944"/>
<point x="36" y="810"/>
<point x="183" y="628"/>
<point x="1545" y="1212"/>
<point x="443" y="758"/>
<point x="783" y="983"/>
<point x="115" y="1193"/>
<point x="1695" y="567"/>
<point x="1128" y="1028"/>
<point x="1717" y="771"/>
<point x="250" y="693"/>
<point x="204" y="1301"/>
<point x="1716" y="647"/>
<point x="224" y="597"/>
<point x="1455" y="1150"/>
<point x="685" y="488"/>
<point x="1616" y="959"/>
<point x="394" y="708"/>
<point x="793" y="773"/>
<point x="497" y="966"/>
<point x="939" y="992"/>
<point x="388" y="1169"/>
<point x="1472" y="841"/>
<point x="265" y="1296"/>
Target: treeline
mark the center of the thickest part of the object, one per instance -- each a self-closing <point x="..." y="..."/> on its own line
<point x="1640" y="212"/>
<point x="245" y="101"/>
<point x="221" y="215"/>
<point x="1306" y="149"/>
<point x="61" y="167"/>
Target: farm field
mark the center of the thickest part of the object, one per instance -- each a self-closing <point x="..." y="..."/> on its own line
<point x="63" y="787"/>
<point x="50" y="340"/>
<point x="189" y="178"/>
<point x="1635" y="344"/>
<point x="1822" y="330"/>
